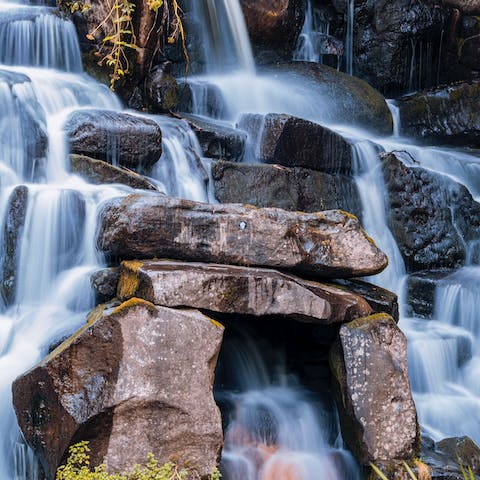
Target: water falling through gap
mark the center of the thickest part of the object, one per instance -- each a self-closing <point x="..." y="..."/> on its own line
<point x="349" y="37"/>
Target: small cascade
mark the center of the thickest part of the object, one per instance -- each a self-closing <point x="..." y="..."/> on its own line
<point x="315" y="28"/>
<point x="275" y="430"/>
<point x="38" y="37"/>
<point x="349" y="37"/>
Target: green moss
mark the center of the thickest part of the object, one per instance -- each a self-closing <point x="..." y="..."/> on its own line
<point x="360" y="322"/>
<point x="129" y="282"/>
<point x="133" y="302"/>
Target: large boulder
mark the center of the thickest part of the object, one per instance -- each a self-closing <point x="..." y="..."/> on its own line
<point x="329" y="244"/>
<point x="99" y="172"/>
<point x="295" y="142"/>
<point x="12" y="234"/>
<point x="273" y="26"/>
<point x="434" y="219"/>
<point x="136" y="379"/>
<point x="296" y="189"/>
<point x="240" y="290"/>
<point x="118" y="138"/>
<point x="346" y="99"/>
<point x="372" y="389"/>
<point x="443" y="115"/>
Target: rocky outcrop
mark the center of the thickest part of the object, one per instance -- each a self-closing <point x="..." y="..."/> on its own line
<point x="273" y="26"/>
<point x="443" y="115"/>
<point x="433" y="218"/>
<point x="99" y="172"/>
<point x="136" y="379"/>
<point x="346" y="99"/>
<point x="12" y="234"/>
<point x="328" y="244"/>
<point x="295" y="142"/>
<point x="218" y="141"/>
<point x="470" y="7"/>
<point x="372" y="389"/>
<point x="117" y="138"/>
<point x="461" y="449"/>
<point x="240" y="290"/>
<point x="296" y="189"/>
<point x="161" y="91"/>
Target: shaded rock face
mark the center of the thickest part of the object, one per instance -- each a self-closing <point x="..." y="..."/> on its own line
<point x="444" y="115"/>
<point x="218" y="141"/>
<point x="161" y="91"/>
<point x="117" y="138"/>
<point x="294" y="142"/>
<point x="98" y="172"/>
<point x="104" y="283"/>
<point x="470" y="7"/>
<point x="463" y="449"/>
<point x="136" y="379"/>
<point x="12" y="233"/>
<point x="231" y="289"/>
<point x="273" y="26"/>
<point x="428" y="216"/>
<point x="330" y="244"/>
<point x="354" y="101"/>
<point x="390" y="37"/>
<point x="296" y="189"/>
<point x="377" y="413"/>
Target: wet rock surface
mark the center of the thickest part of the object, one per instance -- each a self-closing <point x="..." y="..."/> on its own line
<point x="104" y="283"/>
<point x="295" y="142"/>
<point x="329" y="244"/>
<point x="240" y="290"/>
<point x="136" y="379"/>
<point x="100" y="172"/>
<point x="115" y="137"/>
<point x="372" y="389"/>
<point x="273" y="26"/>
<point x="12" y="234"/>
<point x="428" y="215"/>
<point x="355" y="101"/>
<point x="443" y="115"/>
<point x="296" y="189"/>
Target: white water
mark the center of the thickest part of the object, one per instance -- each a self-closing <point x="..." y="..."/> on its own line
<point x="349" y="37"/>
<point x="40" y="85"/>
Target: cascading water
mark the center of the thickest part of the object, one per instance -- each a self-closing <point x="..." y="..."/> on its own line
<point x="48" y="266"/>
<point x="349" y="37"/>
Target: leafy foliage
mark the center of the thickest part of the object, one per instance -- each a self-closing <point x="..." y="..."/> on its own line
<point x="78" y="468"/>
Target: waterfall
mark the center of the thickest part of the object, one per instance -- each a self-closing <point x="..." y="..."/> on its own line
<point x="349" y="37"/>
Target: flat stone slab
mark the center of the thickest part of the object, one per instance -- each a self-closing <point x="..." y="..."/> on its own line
<point x="327" y="244"/>
<point x="241" y="290"/>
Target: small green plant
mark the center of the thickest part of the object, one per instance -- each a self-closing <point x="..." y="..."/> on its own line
<point x="78" y="467"/>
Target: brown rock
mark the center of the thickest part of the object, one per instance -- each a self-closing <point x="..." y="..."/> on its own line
<point x="295" y="142"/>
<point x="377" y="413"/>
<point x="329" y="244"/>
<point x="117" y="138"/>
<point x="297" y="189"/>
<point x="136" y="379"/>
<point x="274" y="25"/>
<point x="231" y="289"/>
<point x="98" y="172"/>
<point x="461" y="450"/>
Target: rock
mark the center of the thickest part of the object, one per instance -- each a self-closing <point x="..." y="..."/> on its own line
<point x="470" y="53"/>
<point x="347" y="99"/>
<point x="12" y="234"/>
<point x="421" y="289"/>
<point x="296" y="189"/>
<point x="161" y="91"/>
<point x="117" y="138"/>
<point x="427" y="215"/>
<point x="217" y="140"/>
<point x="328" y="244"/>
<point x="99" y="172"/>
<point x="273" y="26"/>
<point x="470" y="7"/>
<point x="135" y="379"/>
<point x="443" y="115"/>
<point x="294" y="142"/>
<point x="239" y="290"/>
<point x="391" y="44"/>
<point x="461" y="449"/>
<point x="372" y="389"/>
<point x="104" y="283"/>
<point x="199" y="95"/>
<point x="379" y="299"/>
